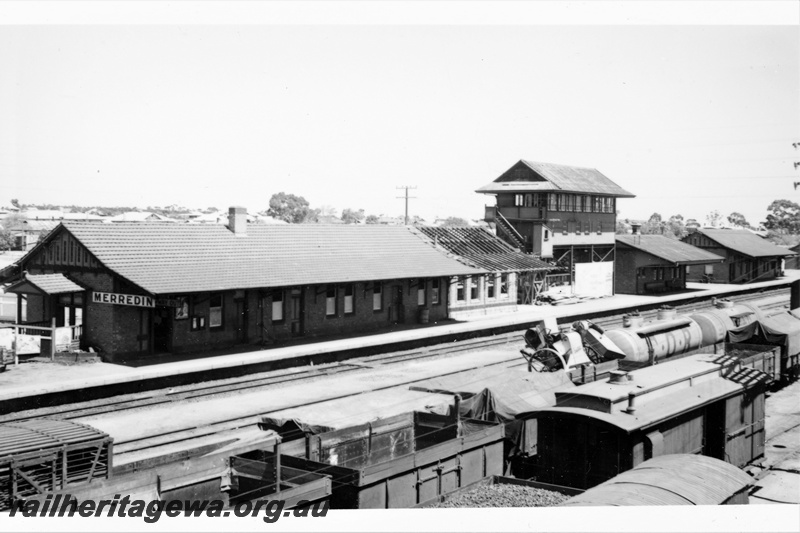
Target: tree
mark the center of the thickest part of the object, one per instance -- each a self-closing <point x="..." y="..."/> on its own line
<point x="713" y="218"/>
<point x="290" y="208"/>
<point x="351" y="216"/>
<point x="654" y="225"/>
<point x="372" y="219"/>
<point x="327" y="211"/>
<point x="784" y="217"/>
<point x="737" y="220"/>
<point x="675" y="227"/>
<point x="15" y="203"/>
<point x="623" y="226"/>
<point x="455" y="221"/>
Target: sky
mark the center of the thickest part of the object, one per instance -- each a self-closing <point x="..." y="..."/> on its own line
<point x="688" y="117"/>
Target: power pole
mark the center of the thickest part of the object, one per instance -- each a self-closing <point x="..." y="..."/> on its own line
<point x="796" y="163"/>
<point x="407" y="197"/>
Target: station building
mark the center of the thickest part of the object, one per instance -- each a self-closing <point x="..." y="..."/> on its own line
<point x="746" y="256"/>
<point x="647" y="264"/>
<point x="137" y="289"/>
<point x="567" y="214"/>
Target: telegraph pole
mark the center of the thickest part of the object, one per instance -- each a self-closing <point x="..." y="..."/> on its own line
<point x="796" y="163"/>
<point x="407" y="197"/>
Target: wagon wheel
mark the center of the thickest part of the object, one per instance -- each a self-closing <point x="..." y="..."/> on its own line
<point x="544" y="360"/>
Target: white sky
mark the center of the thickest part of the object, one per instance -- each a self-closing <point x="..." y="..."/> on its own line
<point x="689" y="118"/>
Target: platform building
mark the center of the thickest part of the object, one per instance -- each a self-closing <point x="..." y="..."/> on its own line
<point x="138" y="289"/>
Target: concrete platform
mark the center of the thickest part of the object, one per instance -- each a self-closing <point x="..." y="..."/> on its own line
<point x="74" y="384"/>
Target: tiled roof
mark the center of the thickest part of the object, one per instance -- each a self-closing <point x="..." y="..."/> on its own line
<point x="46" y="283"/>
<point x="165" y="258"/>
<point x="557" y="178"/>
<point x="479" y="247"/>
<point x="745" y="242"/>
<point x="671" y="250"/>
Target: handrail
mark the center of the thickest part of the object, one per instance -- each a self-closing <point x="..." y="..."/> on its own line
<point x="506" y="226"/>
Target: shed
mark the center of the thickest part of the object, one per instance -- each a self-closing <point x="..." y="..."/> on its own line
<point x="647" y="264"/>
<point x="677" y="479"/>
<point x="747" y="257"/>
<point x="39" y="456"/>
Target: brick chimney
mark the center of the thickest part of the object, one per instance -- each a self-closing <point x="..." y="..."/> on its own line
<point x="237" y="221"/>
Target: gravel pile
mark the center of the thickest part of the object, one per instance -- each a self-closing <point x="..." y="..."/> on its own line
<point x="505" y="495"/>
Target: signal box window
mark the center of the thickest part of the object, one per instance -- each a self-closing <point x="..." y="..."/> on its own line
<point x="435" y="291"/>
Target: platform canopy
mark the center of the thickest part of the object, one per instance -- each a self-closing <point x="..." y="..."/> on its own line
<point x="44" y="284"/>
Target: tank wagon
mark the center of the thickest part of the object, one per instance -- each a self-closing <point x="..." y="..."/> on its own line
<point x="640" y="343"/>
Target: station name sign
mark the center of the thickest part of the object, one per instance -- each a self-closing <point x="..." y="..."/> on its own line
<point x="123" y="299"/>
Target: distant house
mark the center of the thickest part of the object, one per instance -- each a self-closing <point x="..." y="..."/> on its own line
<point x="747" y="257"/>
<point x="647" y="264"/>
<point x="513" y="277"/>
<point x="140" y="216"/>
<point x="26" y="233"/>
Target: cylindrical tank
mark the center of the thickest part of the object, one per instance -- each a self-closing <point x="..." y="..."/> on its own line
<point x="742" y="313"/>
<point x="714" y="324"/>
<point x="678" y="336"/>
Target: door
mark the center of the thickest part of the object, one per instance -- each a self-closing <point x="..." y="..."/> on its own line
<point x="242" y="319"/>
<point x="162" y="329"/>
<point x="396" y="310"/>
<point x="296" y="312"/>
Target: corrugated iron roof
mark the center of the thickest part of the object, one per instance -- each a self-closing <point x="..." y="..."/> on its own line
<point x="42" y="434"/>
<point x="479" y="247"/>
<point x="165" y="258"/>
<point x="45" y="283"/>
<point x="745" y="242"/>
<point x="560" y="178"/>
<point x="672" y="250"/>
<point x="676" y="479"/>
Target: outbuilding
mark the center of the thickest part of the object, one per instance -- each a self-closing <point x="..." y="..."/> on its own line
<point x="647" y="264"/>
<point x="154" y="288"/>
<point x="747" y="257"/>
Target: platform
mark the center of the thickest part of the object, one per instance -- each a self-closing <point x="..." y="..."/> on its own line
<point x="80" y="384"/>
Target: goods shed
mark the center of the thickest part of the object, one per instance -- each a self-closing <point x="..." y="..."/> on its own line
<point x="677" y="479"/>
<point x="747" y="257"/>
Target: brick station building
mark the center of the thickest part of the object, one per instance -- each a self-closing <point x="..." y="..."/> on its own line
<point x="168" y="288"/>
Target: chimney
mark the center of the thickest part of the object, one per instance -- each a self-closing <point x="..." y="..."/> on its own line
<point x="237" y="221"/>
<point x="635" y="228"/>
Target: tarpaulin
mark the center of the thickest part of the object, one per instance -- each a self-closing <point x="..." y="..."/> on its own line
<point x="353" y="410"/>
<point x="782" y="330"/>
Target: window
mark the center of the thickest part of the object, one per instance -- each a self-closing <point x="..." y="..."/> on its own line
<point x="460" y="290"/>
<point x="215" y="311"/>
<point x="349" y="291"/>
<point x="377" y="296"/>
<point x="473" y="288"/>
<point x="529" y="200"/>
<point x="538" y="200"/>
<point x="659" y="274"/>
<point x="490" y="286"/>
<point x="277" y="306"/>
<point x="330" y="301"/>
<point x="552" y="202"/>
<point x="709" y="269"/>
<point x="599" y="228"/>
<point x="421" y="293"/>
<point x="587" y="204"/>
<point x="598" y="204"/>
<point x="435" y="291"/>
<point x="518" y="200"/>
<point x="503" y="285"/>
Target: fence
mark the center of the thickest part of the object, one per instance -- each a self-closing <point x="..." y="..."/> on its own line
<point x="51" y="338"/>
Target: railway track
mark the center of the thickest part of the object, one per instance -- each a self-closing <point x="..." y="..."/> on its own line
<point x="775" y="300"/>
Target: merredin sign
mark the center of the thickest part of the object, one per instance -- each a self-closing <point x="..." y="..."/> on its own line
<point x="123" y="299"/>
